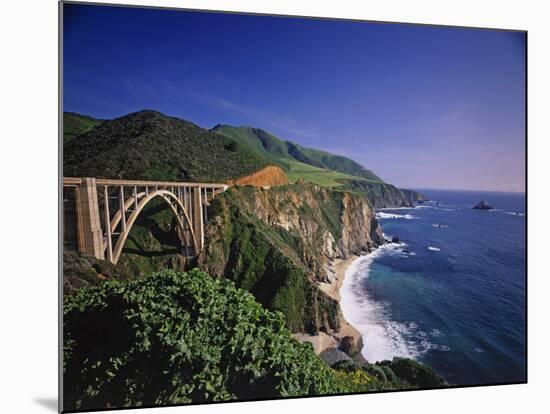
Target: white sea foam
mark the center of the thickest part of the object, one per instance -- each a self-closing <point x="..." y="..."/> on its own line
<point x="382" y="337"/>
<point x="434" y="249"/>
<point x="442" y="226"/>
<point x="383" y="216"/>
<point x="394" y="208"/>
<point x="512" y="213"/>
<point x="403" y="208"/>
<point x="436" y="333"/>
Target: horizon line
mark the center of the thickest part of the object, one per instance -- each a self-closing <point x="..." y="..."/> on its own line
<point x="465" y="189"/>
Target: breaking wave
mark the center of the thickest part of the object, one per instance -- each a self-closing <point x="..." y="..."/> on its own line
<point x="383" y="338"/>
<point x="384" y="216"/>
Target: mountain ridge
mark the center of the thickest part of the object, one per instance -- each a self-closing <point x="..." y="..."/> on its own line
<point x="76" y="124"/>
<point x="150" y="145"/>
<point x="286" y="153"/>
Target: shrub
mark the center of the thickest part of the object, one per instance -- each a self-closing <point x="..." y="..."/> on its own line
<point x="414" y="373"/>
<point x="174" y="338"/>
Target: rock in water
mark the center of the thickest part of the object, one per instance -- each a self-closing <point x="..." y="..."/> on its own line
<point x="482" y="205"/>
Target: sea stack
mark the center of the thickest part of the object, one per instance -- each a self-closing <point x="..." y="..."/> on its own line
<point x="482" y="205"/>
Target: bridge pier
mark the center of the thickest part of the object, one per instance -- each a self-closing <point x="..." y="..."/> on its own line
<point x="198" y="225"/>
<point x="90" y="235"/>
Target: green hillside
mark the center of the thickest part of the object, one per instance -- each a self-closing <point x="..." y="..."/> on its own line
<point x="269" y="146"/>
<point x="338" y="163"/>
<point x="153" y="146"/>
<point x="316" y="166"/>
<point x="76" y="124"/>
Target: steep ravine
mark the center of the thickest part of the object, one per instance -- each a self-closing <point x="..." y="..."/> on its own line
<point x="283" y="243"/>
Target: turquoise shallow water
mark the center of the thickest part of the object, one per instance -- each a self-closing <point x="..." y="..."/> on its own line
<point x="452" y="293"/>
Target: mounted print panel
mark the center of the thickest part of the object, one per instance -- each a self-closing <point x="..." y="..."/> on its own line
<point x="261" y="207"/>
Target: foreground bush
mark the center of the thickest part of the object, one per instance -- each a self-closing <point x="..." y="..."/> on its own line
<point x="174" y="338"/>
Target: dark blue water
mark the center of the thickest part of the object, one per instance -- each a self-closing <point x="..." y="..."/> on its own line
<point x="456" y="300"/>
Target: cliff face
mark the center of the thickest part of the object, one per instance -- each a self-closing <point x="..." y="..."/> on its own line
<point x="360" y="230"/>
<point x="382" y="195"/>
<point x="279" y="243"/>
<point x="413" y="196"/>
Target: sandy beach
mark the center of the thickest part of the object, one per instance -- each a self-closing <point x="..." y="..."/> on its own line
<point x="323" y="341"/>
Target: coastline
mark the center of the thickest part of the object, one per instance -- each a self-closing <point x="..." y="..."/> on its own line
<point x="347" y="332"/>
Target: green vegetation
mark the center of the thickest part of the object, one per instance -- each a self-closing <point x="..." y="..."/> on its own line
<point x="326" y="178"/>
<point x="262" y="142"/>
<point x="334" y="162"/>
<point x="75" y="125"/>
<point x="399" y="373"/>
<point x="318" y="167"/>
<point x="413" y="372"/>
<point x="176" y="338"/>
<point x="152" y="146"/>
<point x="153" y="242"/>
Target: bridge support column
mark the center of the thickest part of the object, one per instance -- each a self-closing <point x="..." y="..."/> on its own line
<point x="198" y="225"/>
<point x="89" y="231"/>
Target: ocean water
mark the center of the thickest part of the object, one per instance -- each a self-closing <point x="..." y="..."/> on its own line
<point x="451" y="294"/>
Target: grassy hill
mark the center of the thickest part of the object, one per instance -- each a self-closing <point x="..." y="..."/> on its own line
<point x="316" y="166"/>
<point x="76" y="124"/>
<point x="320" y="167"/>
<point x="153" y="146"/>
<point x="336" y="162"/>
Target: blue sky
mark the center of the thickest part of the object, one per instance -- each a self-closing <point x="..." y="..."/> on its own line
<point x="422" y="106"/>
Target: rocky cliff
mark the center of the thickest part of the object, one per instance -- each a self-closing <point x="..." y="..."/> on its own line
<point x="279" y="244"/>
<point x="413" y="196"/>
<point x="383" y="195"/>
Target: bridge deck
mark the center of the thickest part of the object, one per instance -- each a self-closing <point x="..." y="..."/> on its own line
<point x="142" y="183"/>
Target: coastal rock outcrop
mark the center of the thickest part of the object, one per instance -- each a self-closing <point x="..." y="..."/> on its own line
<point x="383" y="195"/>
<point x="413" y="196"/>
<point x="482" y="205"/>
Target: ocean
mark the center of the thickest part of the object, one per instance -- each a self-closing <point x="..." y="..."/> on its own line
<point x="451" y="293"/>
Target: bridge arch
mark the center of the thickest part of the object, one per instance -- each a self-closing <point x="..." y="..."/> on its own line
<point x="175" y="205"/>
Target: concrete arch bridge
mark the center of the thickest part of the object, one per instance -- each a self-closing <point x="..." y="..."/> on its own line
<point x="98" y="214"/>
